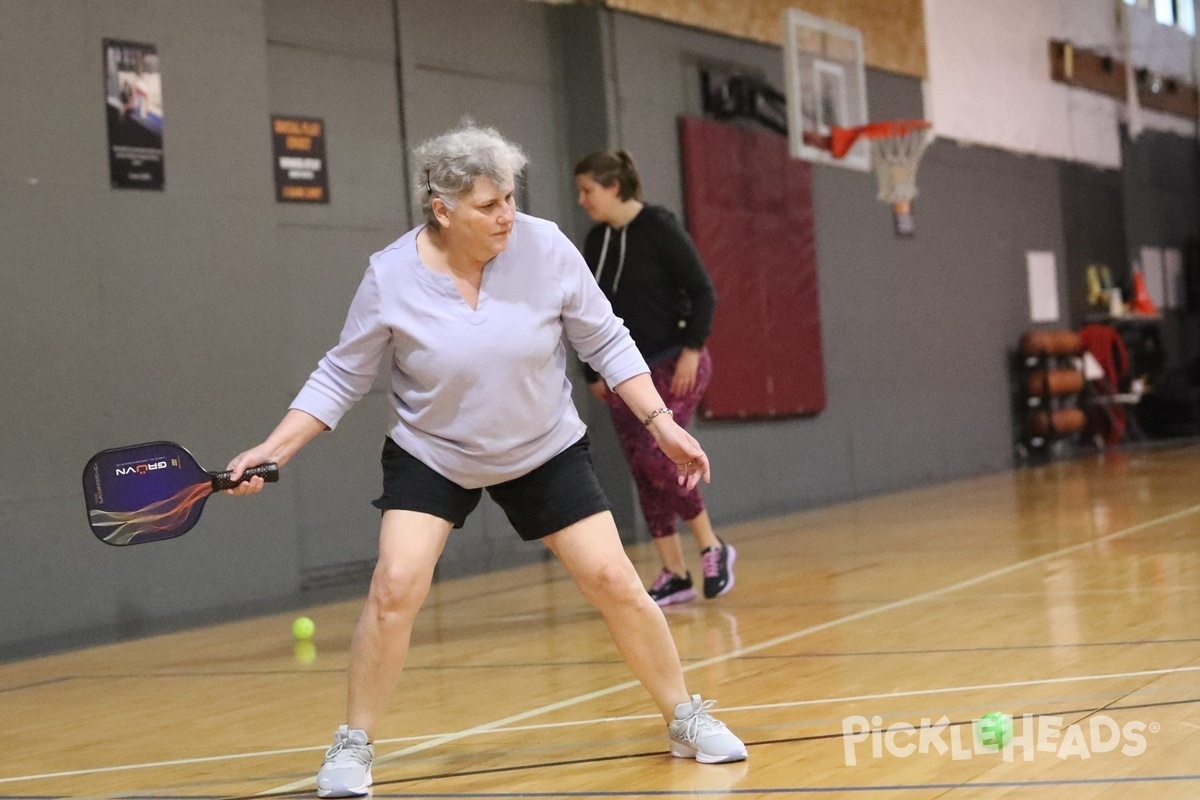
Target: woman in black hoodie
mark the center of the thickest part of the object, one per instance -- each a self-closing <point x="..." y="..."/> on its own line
<point x="650" y="271"/>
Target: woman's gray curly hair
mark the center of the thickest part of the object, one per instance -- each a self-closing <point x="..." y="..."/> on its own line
<point x="448" y="165"/>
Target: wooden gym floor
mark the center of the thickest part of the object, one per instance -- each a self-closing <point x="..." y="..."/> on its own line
<point x="1066" y="592"/>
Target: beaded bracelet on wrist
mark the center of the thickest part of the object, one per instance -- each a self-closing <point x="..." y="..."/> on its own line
<point x="658" y="412"/>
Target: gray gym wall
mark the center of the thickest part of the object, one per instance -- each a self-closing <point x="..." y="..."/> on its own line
<point x="1160" y="187"/>
<point x="1093" y="227"/>
<point x="195" y="314"/>
<point x="327" y="61"/>
<point x="129" y="316"/>
<point x="1110" y="215"/>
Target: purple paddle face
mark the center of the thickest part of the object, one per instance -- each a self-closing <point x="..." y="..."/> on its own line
<point x="144" y="493"/>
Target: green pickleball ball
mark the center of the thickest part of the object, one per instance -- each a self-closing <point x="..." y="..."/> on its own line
<point x="995" y="730"/>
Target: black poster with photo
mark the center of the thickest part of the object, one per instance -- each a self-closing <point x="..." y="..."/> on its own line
<point x="300" y="170"/>
<point x="134" y="105"/>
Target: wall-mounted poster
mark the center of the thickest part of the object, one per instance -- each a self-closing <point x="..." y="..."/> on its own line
<point x="300" y="170"/>
<point x="134" y="103"/>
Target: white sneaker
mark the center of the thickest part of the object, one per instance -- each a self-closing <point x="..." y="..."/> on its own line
<point x="695" y="734"/>
<point x="347" y="768"/>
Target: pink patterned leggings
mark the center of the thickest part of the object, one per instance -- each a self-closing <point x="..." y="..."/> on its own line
<point x="663" y="500"/>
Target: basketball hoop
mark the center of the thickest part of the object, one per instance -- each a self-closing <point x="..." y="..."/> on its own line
<point x="896" y="150"/>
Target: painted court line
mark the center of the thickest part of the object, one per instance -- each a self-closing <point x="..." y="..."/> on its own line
<point x="150" y="765"/>
<point x="977" y="687"/>
<point x="860" y="615"/>
<point x="36" y="685"/>
<point x="785" y="790"/>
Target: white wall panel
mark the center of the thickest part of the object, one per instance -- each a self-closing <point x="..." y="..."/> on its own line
<point x="989" y="75"/>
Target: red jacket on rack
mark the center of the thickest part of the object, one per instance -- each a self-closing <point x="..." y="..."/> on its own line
<point x="1107" y="347"/>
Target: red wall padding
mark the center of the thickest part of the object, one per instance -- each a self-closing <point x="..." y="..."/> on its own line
<point x="749" y="210"/>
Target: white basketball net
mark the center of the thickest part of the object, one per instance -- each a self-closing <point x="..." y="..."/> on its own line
<point x="896" y="159"/>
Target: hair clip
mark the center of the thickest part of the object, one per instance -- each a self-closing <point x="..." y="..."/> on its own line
<point x="428" y="185"/>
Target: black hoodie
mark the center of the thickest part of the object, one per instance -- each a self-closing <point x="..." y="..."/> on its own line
<point x="655" y="281"/>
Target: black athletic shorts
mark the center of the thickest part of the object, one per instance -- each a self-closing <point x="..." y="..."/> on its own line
<point x="559" y="493"/>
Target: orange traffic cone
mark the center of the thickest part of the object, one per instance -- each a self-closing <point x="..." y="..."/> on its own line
<point x="1141" y="304"/>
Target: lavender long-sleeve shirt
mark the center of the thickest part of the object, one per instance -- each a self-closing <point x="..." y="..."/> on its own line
<point x="481" y="396"/>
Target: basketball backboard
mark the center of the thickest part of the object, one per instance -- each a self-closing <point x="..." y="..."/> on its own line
<point x="826" y="87"/>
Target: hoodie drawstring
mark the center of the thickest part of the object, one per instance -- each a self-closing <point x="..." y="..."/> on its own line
<point x="620" y="257"/>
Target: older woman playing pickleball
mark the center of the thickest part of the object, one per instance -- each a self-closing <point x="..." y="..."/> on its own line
<point x="470" y="308"/>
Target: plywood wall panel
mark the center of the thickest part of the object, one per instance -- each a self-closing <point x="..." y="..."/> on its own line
<point x="893" y="30"/>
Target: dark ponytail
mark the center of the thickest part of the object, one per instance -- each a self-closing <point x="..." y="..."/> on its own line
<point x="607" y="167"/>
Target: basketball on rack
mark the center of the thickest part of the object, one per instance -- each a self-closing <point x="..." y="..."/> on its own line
<point x="1050" y="342"/>
<point x="1054" y="381"/>
<point x="1063" y="421"/>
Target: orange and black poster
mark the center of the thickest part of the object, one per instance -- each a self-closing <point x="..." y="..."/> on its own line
<point x="298" y="145"/>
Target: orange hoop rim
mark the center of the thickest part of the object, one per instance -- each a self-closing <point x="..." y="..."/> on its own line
<point x="842" y="139"/>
